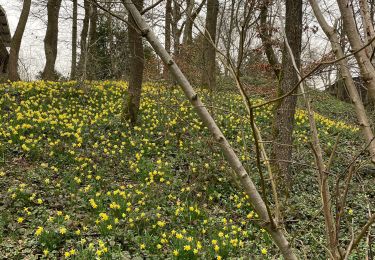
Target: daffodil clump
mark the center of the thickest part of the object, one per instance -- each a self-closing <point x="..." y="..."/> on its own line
<point x="80" y="183"/>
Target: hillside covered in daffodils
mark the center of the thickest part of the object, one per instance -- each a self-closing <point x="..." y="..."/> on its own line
<point x="77" y="182"/>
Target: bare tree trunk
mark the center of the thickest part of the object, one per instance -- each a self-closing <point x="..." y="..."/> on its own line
<point x="220" y="22"/>
<point x="331" y="232"/>
<point x="334" y="38"/>
<point x="228" y="43"/>
<point x="168" y="22"/>
<point x="372" y="11"/>
<point x="51" y="39"/>
<point x="131" y="107"/>
<point x="4" y="59"/>
<point x="167" y="39"/>
<point x="191" y="15"/>
<point x="176" y="31"/>
<point x="93" y="38"/>
<point x="73" y="70"/>
<point x="93" y="23"/>
<point x="16" y="42"/>
<point x="284" y="113"/>
<point x="209" y="52"/>
<point x="266" y="38"/>
<point x="367" y="69"/>
<point x="367" y="26"/>
<point x="243" y="28"/>
<point x="249" y="187"/>
<point x="112" y="45"/>
<point x="84" y="34"/>
<point x="188" y="32"/>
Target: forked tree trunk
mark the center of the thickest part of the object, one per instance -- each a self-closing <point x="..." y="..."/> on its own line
<point x="50" y="40"/>
<point x="190" y="18"/>
<point x="360" y="110"/>
<point x="73" y="70"/>
<point x="283" y="123"/>
<point x="209" y="52"/>
<point x="16" y="42"/>
<point x="350" y="28"/>
<point x="232" y="158"/>
<point x="131" y="107"/>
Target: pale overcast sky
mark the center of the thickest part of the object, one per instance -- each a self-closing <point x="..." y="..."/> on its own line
<point x="32" y="49"/>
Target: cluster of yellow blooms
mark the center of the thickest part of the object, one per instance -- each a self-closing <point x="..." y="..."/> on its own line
<point x="88" y="185"/>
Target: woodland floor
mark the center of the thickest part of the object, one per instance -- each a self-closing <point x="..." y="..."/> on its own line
<point x="78" y="183"/>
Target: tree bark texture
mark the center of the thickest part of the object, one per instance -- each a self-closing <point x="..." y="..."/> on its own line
<point x="167" y="33"/>
<point x="83" y="43"/>
<point x="229" y="34"/>
<point x="131" y="108"/>
<point x="176" y="31"/>
<point x="364" y="63"/>
<point x="209" y="52"/>
<point x="191" y="15"/>
<point x="93" y="39"/>
<point x="368" y="26"/>
<point x="266" y="37"/>
<point x="50" y="40"/>
<point x="73" y="71"/>
<point x="16" y="42"/>
<point x="243" y="29"/>
<point x="285" y="109"/>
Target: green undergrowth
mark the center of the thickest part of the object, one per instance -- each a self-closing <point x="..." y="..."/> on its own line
<point x="76" y="182"/>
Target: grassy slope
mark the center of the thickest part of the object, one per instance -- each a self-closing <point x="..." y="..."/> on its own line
<point x="331" y="107"/>
<point x="77" y="183"/>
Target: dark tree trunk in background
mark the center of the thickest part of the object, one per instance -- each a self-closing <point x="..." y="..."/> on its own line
<point x="167" y="36"/>
<point x="83" y="44"/>
<point x="131" y="107"/>
<point x="266" y="37"/>
<point x="50" y="40"/>
<point x="188" y="32"/>
<point x="209" y="52"/>
<point x="93" y="24"/>
<point x="112" y="44"/>
<point x="284" y="112"/>
<point x="16" y="42"/>
<point x="191" y="16"/>
<point x="93" y="39"/>
<point x="74" y="40"/>
<point x="243" y="29"/>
